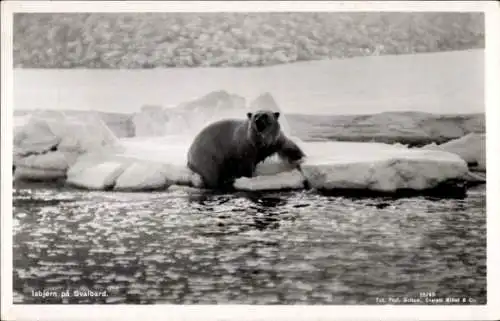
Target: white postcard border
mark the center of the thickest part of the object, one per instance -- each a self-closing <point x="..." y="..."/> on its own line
<point x="246" y="312"/>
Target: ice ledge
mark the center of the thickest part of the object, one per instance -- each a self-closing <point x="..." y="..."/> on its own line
<point x="84" y="153"/>
<point x="332" y="168"/>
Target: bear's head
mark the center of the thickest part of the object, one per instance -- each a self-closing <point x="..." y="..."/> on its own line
<point x="264" y="128"/>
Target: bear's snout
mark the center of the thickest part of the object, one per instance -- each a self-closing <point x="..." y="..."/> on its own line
<point x="261" y="122"/>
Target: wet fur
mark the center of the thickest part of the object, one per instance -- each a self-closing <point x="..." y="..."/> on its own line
<point x="229" y="149"/>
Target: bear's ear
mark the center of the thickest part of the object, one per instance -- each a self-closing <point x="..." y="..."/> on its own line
<point x="277" y="115"/>
<point x="249" y="115"/>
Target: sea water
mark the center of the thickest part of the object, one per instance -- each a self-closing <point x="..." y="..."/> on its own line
<point x="183" y="246"/>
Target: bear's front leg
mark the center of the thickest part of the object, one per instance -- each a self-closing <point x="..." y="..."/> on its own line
<point x="247" y="170"/>
<point x="245" y="167"/>
<point x="290" y="151"/>
<point x="234" y="168"/>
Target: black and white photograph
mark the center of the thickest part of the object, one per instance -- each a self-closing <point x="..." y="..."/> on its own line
<point x="276" y="157"/>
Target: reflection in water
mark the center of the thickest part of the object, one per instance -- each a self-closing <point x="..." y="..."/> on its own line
<point x="186" y="246"/>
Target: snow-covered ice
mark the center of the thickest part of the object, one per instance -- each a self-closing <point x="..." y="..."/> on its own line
<point x="330" y="165"/>
<point x="142" y="176"/>
<point x="150" y="121"/>
<point x="471" y="148"/>
<point x="90" y="157"/>
<point x="370" y="166"/>
<point x="99" y="176"/>
<point x="34" y="136"/>
<point x="292" y="179"/>
<point x="46" y="144"/>
<point x="52" y="161"/>
<point x="38" y="174"/>
<point x="44" y="131"/>
<point x="189" y="116"/>
<point x="378" y="167"/>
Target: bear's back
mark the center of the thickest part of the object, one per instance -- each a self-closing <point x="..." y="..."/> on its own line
<point x="217" y="138"/>
<point x="220" y="132"/>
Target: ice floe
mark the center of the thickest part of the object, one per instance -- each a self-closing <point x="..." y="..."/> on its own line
<point x="89" y="156"/>
<point x="378" y="167"/>
<point x="471" y="148"/>
<point x="47" y="144"/>
<point x="329" y="165"/>
<point x="369" y="166"/>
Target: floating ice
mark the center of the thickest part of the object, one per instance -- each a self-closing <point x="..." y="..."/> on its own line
<point x="188" y="117"/>
<point x="52" y="161"/>
<point x="34" y="136"/>
<point x="378" y="167"/>
<point x="370" y="166"/>
<point x="96" y="175"/>
<point x="47" y="144"/>
<point x="46" y="131"/>
<point x="142" y="176"/>
<point x="150" y="121"/>
<point x="142" y="164"/>
<point x="101" y="162"/>
<point x="37" y="174"/>
<point x="471" y="148"/>
<point x="329" y="165"/>
<point x="282" y="180"/>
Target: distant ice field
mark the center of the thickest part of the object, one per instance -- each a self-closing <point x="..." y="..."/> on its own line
<point x="446" y="82"/>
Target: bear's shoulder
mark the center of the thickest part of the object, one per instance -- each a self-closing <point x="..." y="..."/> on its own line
<point x="228" y="134"/>
<point x="230" y="123"/>
<point x="225" y="127"/>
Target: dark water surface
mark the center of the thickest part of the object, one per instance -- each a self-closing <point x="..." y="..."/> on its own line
<point x="183" y="246"/>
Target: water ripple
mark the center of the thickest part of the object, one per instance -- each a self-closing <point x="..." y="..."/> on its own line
<point x="187" y="247"/>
